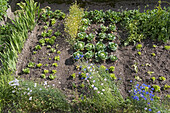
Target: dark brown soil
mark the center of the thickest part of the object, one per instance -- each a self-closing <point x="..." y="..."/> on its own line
<point x="127" y="56"/>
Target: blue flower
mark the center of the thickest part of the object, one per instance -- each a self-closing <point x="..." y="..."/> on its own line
<point x="147" y="92"/>
<point x="158" y="112"/>
<point x="82" y="78"/>
<point x="144" y="85"/>
<point x="148" y="103"/>
<point x="130" y="80"/>
<point x="152" y="89"/>
<point x="145" y="98"/>
<point x="85" y="78"/>
<point x="151" y="99"/>
<point x="150" y="109"/>
<point x="149" y="86"/>
<point x="106" y="69"/>
<point x="137" y="84"/>
<point x="143" y="91"/>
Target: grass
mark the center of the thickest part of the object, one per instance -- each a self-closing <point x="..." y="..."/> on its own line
<point x="99" y="90"/>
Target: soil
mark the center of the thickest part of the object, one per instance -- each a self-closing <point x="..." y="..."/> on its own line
<point x="124" y="70"/>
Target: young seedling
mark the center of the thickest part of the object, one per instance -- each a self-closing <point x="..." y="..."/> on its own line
<point x="49" y="58"/>
<point x="46" y="65"/>
<point x="53" y="37"/>
<point x="43" y="76"/>
<point x="167" y="47"/>
<point x="55" y="64"/>
<point x="34" y="52"/>
<point x="135" y="67"/>
<point x="112" y="75"/>
<point x="162" y="78"/>
<point x="156" y="88"/>
<point x="31" y="64"/>
<point x="57" y="33"/>
<point x="139" y="46"/>
<point x="37" y="47"/>
<point x="47" y="39"/>
<point x="52" y="77"/>
<point x="139" y="53"/>
<point x="39" y="65"/>
<point x="58" y="52"/>
<point x="53" y="50"/>
<point x="57" y="58"/>
<point x="53" y="21"/>
<point x="82" y="85"/>
<point x="153" y="79"/>
<point x="56" y="46"/>
<point x="150" y="72"/>
<point x="112" y="68"/>
<point x="48" y="47"/>
<point x="138" y="78"/>
<point x="26" y="70"/>
<point x="153" y="54"/>
<point x="45" y="27"/>
<point x="46" y="71"/>
<point x="42" y="42"/>
<point x="154" y="46"/>
<point x="54" y="71"/>
<point x="166" y="86"/>
<point x="74" y="75"/>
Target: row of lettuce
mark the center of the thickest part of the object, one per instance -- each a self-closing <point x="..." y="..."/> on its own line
<point x="149" y="24"/>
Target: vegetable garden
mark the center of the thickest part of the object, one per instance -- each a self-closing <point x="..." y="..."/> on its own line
<point x="85" y="61"/>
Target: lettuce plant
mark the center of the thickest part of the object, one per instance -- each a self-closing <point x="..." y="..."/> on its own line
<point x="113" y="58"/>
<point x="53" y="37"/>
<point x="85" y="21"/>
<point x="31" y="64"/>
<point x="46" y="71"/>
<point x="37" y="47"/>
<point x="111" y="37"/>
<point x="43" y="76"/>
<point x="83" y="28"/>
<point x="82" y="35"/>
<point x="89" y="46"/>
<point x="100" y="46"/>
<point x="89" y="54"/>
<point x="42" y="42"/>
<point x="54" y="71"/>
<point x="52" y="77"/>
<point x="53" y="50"/>
<point x="79" y="45"/>
<point x="112" y="46"/>
<point x="26" y="70"/>
<point x="90" y="37"/>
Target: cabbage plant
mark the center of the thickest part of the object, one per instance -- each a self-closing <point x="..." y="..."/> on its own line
<point x="102" y="36"/>
<point x="79" y="45"/>
<point x="112" y="46"/>
<point x="111" y="37"/>
<point x="89" y="54"/>
<point x="89" y="46"/>
<point x="102" y="55"/>
<point x="113" y="58"/>
<point x="82" y="35"/>
<point x="100" y="46"/>
<point x="90" y="37"/>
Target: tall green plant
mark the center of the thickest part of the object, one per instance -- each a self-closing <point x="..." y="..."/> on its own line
<point x="3" y="8"/>
<point x="73" y="21"/>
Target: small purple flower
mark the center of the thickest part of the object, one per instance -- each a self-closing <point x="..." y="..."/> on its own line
<point x="147" y="92"/>
<point x="148" y="103"/>
<point x="106" y="69"/>
<point x="130" y="80"/>
<point x="137" y="84"/>
<point x="152" y="89"/>
<point x="82" y="78"/>
<point x="158" y="112"/>
<point x="149" y="86"/>
<point x="151" y="99"/>
<point x="150" y="109"/>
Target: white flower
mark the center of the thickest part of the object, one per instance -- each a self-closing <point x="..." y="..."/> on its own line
<point x="101" y="93"/>
<point x="105" y="79"/>
<point x="92" y="85"/>
<point x="14" y="82"/>
<point x="30" y="98"/>
<point x="53" y="85"/>
<point x="98" y="92"/>
<point x="95" y="88"/>
<point x="145" y="108"/>
<point x="35" y="84"/>
<point x="30" y="90"/>
<point x="87" y="80"/>
<point x="48" y="85"/>
<point x="13" y="91"/>
<point x="94" y="81"/>
<point x="24" y="93"/>
<point x="102" y="84"/>
<point x="28" y="93"/>
<point x="45" y="82"/>
<point x="40" y="89"/>
<point x="103" y="89"/>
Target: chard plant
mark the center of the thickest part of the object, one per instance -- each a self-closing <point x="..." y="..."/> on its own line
<point x="111" y="37"/>
<point x="89" y="46"/>
<point x="79" y="45"/>
<point x="26" y="71"/>
<point x="100" y="46"/>
<point x="112" y="46"/>
<point x="113" y="58"/>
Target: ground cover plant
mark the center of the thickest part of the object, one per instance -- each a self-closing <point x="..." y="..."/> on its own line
<point x="85" y="61"/>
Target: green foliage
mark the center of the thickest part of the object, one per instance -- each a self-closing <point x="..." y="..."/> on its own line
<point x="31" y="64"/>
<point x="82" y="35"/>
<point x="167" y="47"/>
<point x="43" y="76"/>
<point x="100" y="46"/>
<point x="53" y="50"/>
<point x="42" y="42"/>
<point x="46" y="71"/>
<point x="39" y="65"/>
<point x="112" y="46"/>
<point x="113" y="58"/>
<point x="89" y="46"/>
<point x="53" y="21"/>
<point x="156" y="88"/>
<point x="37" y="47"/>
<point x="79" y="45"/>
<point x="54" y="71"/>
<point x="26" y="70"/>
<point x="111" y="37"/>
<point x="74" y="75"/>
<point x="112" y="75"/>
<point x="112" y="68"/>
<point x="52" y="77"/>
<point x="139" y="46"/>
<point x="153" y="79"/>
<point x="57" y="33"/>
<point x="3" y="8"/>
<point x="73" y="21"/>
<point x="55" y="64"/>
<point x="89" y="54"/>
<point x="57" y="58"/>
<point x="162" y="78"/>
